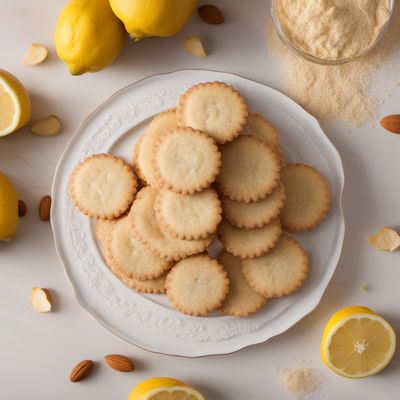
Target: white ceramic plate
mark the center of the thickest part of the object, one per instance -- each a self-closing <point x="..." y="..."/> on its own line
<point x="147" y="320"/>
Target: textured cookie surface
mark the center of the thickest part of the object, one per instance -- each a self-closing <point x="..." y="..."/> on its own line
<point x="255" y="214"/>
<point x="159" y="125"/>
<point x="249" y="170"/>
<point x="104" y="229"/>
<point x="147" y="228"/>
<point x="307" y="197"/>
<point x="102" y="186"/>
<point x="192" y="216"/>
<point x="249" y="243"/>
<point x="186" y="161"/>
<point x="197" y="285"/>
<point x="258" y="127"/>
<point x="215" y="108"/>
<point x="280" y="272"/>
<point x="241" y="300"/>
<point x="130" y="256"/>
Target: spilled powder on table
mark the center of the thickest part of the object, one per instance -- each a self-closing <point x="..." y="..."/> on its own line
<point x="300" y="382"/>
<point x="336" y="91"/>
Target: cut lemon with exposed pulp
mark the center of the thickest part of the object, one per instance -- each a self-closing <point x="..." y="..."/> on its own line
<point x="15" y="105"/>
<point x="164" y="389"/>
<point x="357" y="342"/>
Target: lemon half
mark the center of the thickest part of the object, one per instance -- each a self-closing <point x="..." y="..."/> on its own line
<point x="164" y="388"/>
<point x="357" y="342"/>
<point x="15" y="104"/>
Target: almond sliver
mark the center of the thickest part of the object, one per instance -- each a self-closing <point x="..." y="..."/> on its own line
<point x="47" y="126"/>
<point x="40" y="300"/>
<point x="385" y="239"/>
<point x="35" y="55"/>
<point x="194" y="46"/>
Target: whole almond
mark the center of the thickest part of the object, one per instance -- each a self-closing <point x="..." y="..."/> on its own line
<point x="22" y="208"/>
<point x="81" y="370"/>
<point x="391" y="123"/>
<point x="119" y="363"/>
<point x="211" y="14"/>
<point x="44" y="208"/>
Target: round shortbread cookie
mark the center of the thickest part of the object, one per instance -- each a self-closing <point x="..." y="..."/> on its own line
<point x="258" y="127"/>
<point x="307" y="197"/>
<point x="215" y="108"/>
<point x="280" y="272"/>
<point x="150" y="286"/>
<point x="186" y="161"/>
<point x="130" y="256"/>
<point x="190" y="216"/>
<point x="102" y="186"/>
<point x="160" y="124"/>
<point x="104" y="230"/>
<point x="255" y="214"/>
<point x="241" y="300"/>
<point x="249" y="169"/>
<point x="249" y="243"/>
<point x="147" y="229"/>
<point x="197" y="285"/>
<point x="135" y="156"/>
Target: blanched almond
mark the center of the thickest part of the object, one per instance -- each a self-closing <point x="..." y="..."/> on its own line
<point x="193" y="45"/>
<point x="385" y="239"/>
<point x="47" y="126"/>
<point x="40" y="300"/>
<point x="35" y="55"/>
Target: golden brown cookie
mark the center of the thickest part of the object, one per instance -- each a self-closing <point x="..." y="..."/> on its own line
<point x="104" y="230"/>
<point x="190" y="216"/>
<point x="186" y="161"/>
<point x="130" y="256"/>
<point x="215" y="108"/>
<point x="241" y="300"/>
<point x="102" y="186"/>
<point x="307" y="197"/>
<point x="280" y="272"/>
<point x="159" y="125"/>
<point x="249" y="243"/>
<point x="249" y="170"/>
<point x="258" y="127"/>
<point x="255" y="214"/>
<point x="144" y="221"/>
<point x="197" y="285"/>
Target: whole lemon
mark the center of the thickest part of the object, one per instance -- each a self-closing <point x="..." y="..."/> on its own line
<point x="143" y="18"/>
<point x="88" y="35"/>
<point x="8" y="209"/>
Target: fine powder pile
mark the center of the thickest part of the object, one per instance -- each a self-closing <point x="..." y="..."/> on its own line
<point x="337" y="91"/>
<point x="332" y="29"/>
<point x="300" y="381"/>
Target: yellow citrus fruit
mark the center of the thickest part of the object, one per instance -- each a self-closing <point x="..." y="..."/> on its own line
<point x="15" y="105"/>
<point x="357" y="342"/>
<point x="164" y="388"/>
<point x="88" y="35"/>
<point x="143" y="18"/>
<point x="8" y="209"/>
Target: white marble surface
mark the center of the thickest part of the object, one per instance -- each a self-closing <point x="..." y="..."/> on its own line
<point x="37" y="351"/>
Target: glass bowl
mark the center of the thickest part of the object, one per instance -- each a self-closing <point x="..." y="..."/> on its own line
<point x="315" y="59"/>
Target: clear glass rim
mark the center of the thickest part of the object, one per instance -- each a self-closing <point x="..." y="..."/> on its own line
<point x="322" y="61"/>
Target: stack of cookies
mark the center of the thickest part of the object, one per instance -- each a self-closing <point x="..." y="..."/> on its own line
<point x="209" y="171"/>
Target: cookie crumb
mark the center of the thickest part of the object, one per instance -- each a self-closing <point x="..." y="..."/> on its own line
<point x="365" y="287"/>
<point x="300" y="381"/>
